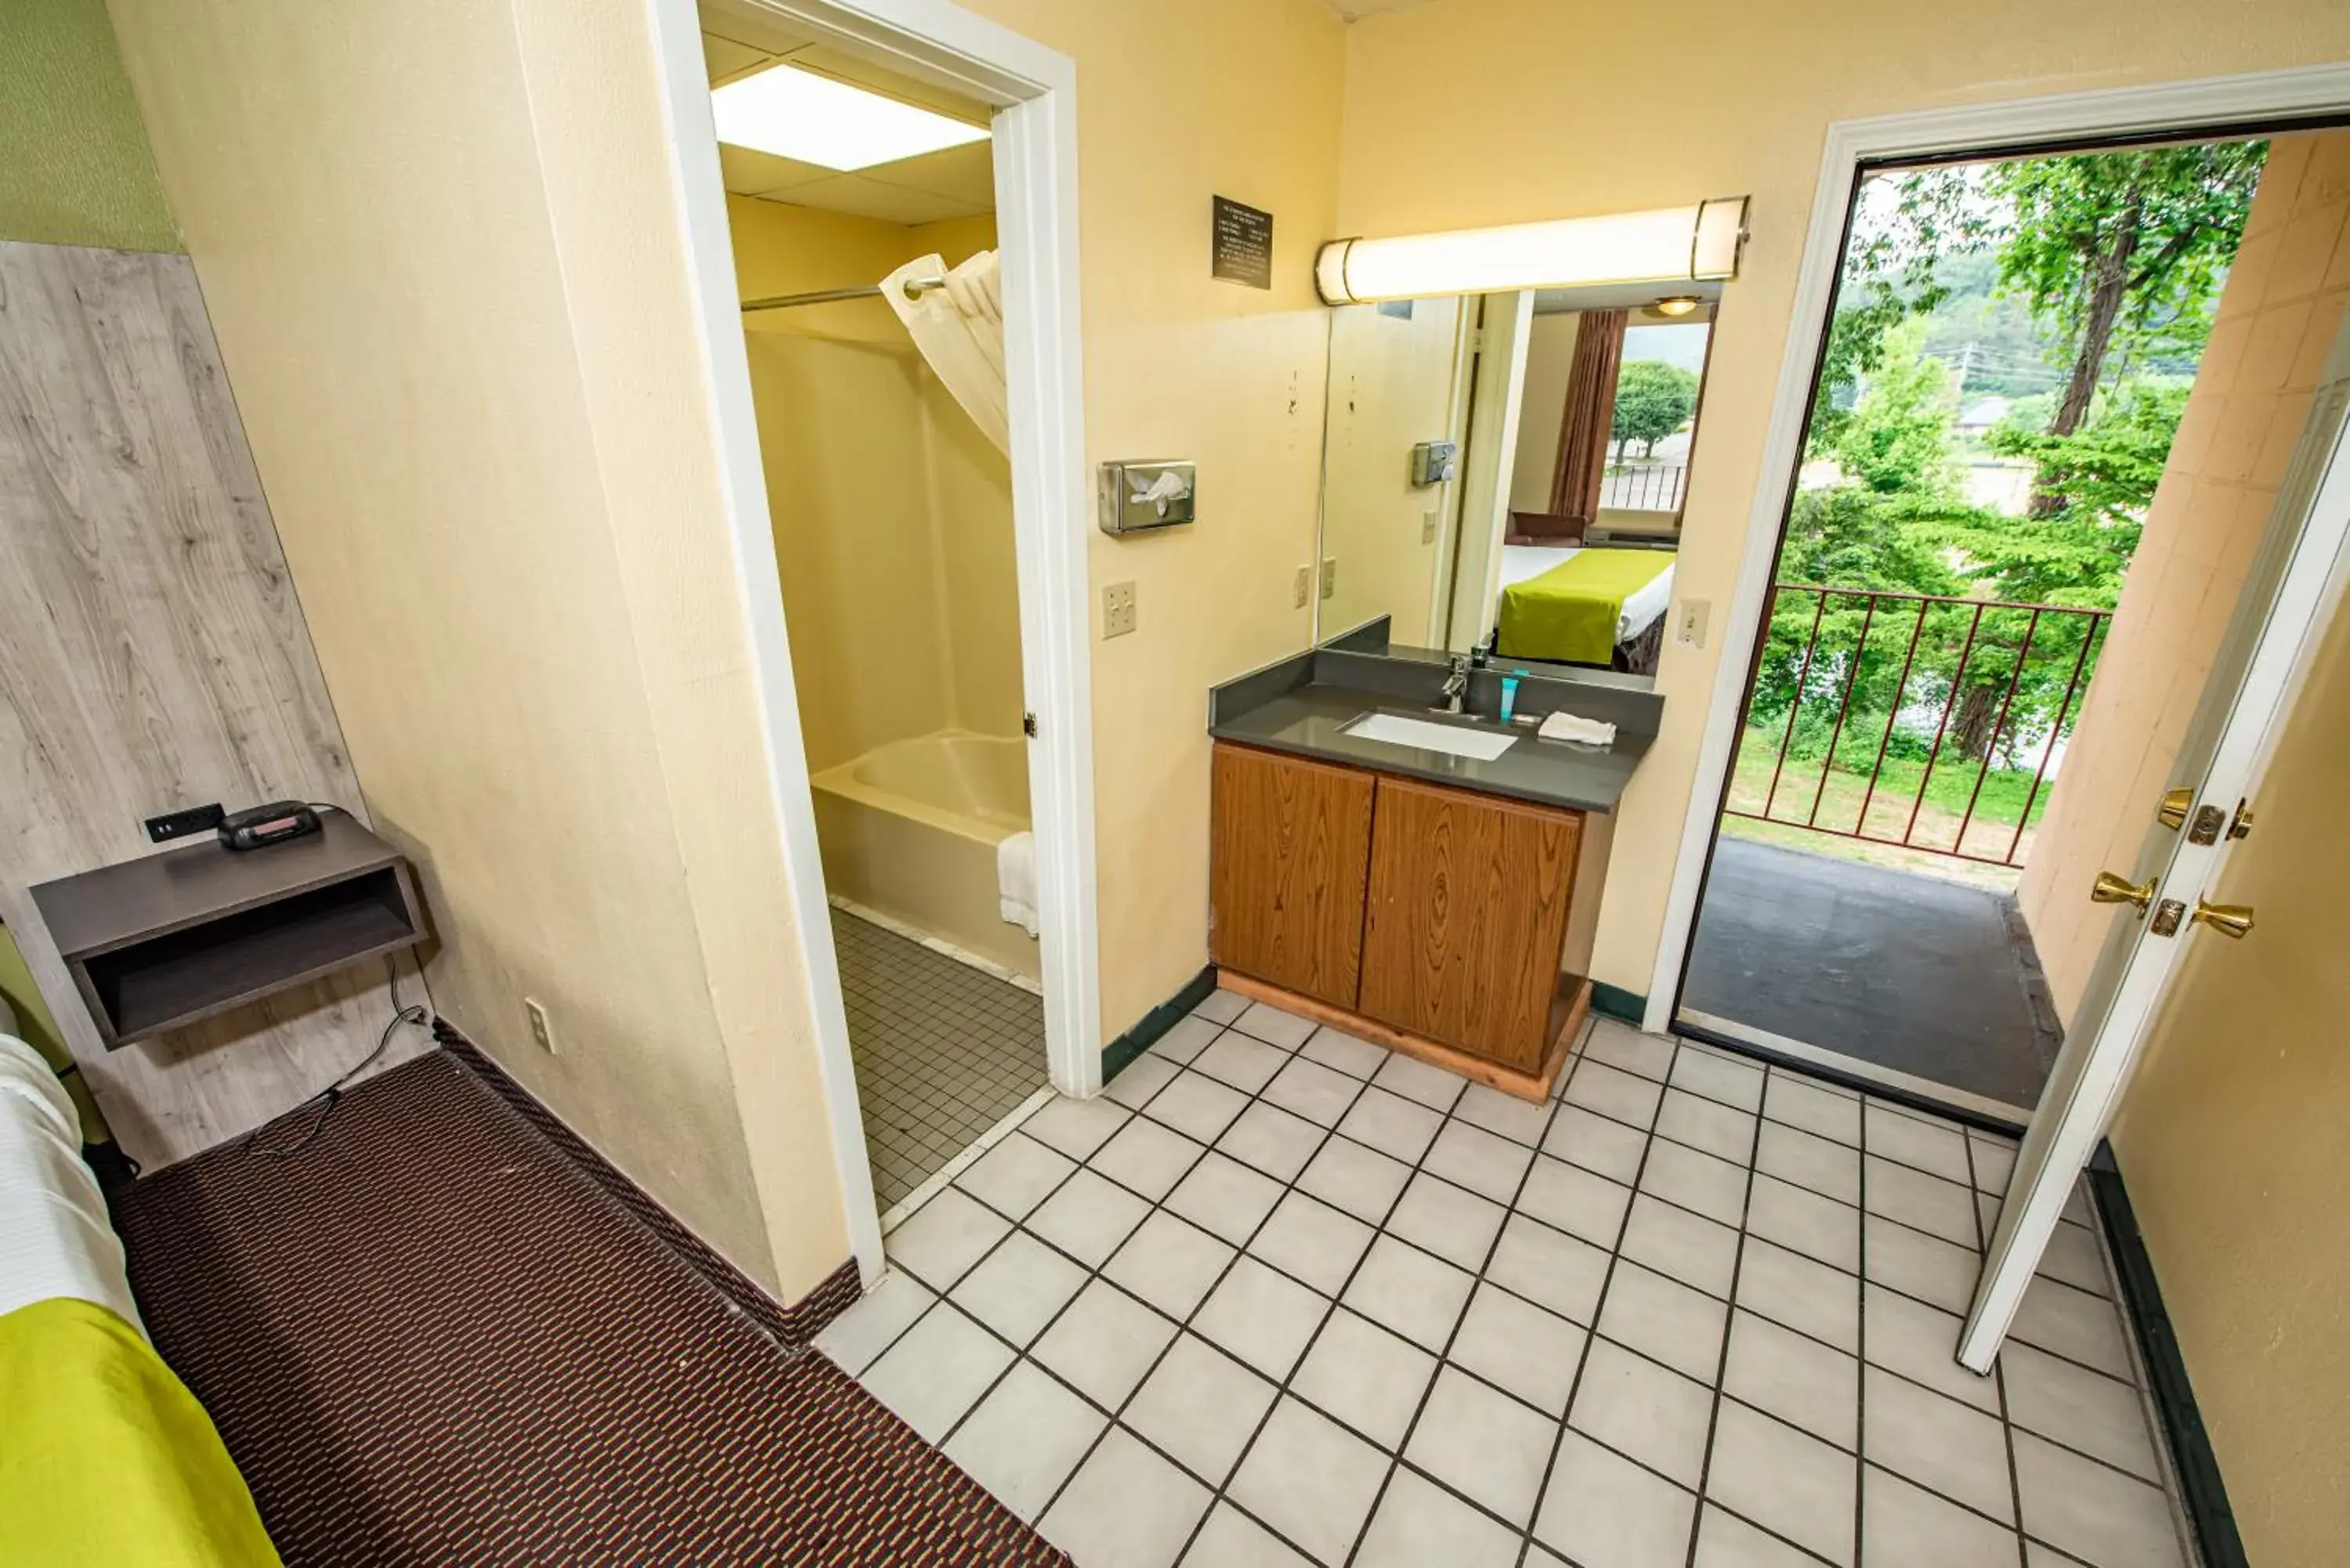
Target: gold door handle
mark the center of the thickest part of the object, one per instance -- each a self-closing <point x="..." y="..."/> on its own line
<point x="2109" y="889"/>
<point x="2233" y="921"/>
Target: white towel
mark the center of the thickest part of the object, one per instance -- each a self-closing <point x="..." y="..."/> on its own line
<point x="1573" y="727"/>
<point x="54" y="1239"/>
<point x="1015" y="880"/>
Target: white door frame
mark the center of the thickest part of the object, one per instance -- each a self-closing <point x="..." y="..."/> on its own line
<point x="2291" y="594"/>
<point x="1496" y="394"/>
<point x="1034" y="134"/>
<point x="2051" y="119"/>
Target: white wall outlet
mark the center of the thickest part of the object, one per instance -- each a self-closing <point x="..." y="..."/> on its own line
<point x="1117" y="610"/>
<point x="1303" y="588"/>
<point x="1427" y="526"/>
<point x="1690" y="621"/>
<point x="1329" y="575"/>
<point x="541" y="1030"/>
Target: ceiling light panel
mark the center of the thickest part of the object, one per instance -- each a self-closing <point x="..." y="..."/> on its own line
<point x="798" y="114"/>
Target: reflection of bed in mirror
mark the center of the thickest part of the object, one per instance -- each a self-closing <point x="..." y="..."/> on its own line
<point x="1572" y="605"/>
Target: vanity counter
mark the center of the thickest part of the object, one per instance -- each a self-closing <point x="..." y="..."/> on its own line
<point x="1309" y="720"/>
<point x="1302" y="705"/>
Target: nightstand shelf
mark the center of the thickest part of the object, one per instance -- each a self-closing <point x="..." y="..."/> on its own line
<point x="157" y="943"/>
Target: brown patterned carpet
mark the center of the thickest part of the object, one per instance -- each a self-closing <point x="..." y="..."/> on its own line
<point x="435" y="1336"/>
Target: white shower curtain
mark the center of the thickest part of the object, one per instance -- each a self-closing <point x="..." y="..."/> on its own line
<point x="960" y="331"/>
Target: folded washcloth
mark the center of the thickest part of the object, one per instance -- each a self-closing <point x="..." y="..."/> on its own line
<point x="1572" y="727"/>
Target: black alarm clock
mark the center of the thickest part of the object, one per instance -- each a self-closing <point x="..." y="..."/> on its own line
<point x="259" y="825"/>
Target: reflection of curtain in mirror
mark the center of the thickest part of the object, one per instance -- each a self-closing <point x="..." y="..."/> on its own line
<point x="1590" y="414"/>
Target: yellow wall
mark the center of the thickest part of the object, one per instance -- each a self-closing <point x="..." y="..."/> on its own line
<point x="1177" y="104"/>
<point x="1465" y="112"/>
<point x="1392" y="384"/>
<point x="892" y="513"/>
<point x="2278" y="315"/>
<point x="437" y="245"/>
<point x="2230" y="1140"/>
<point x="74" y="164"/>
<point x="1550" y="355"/>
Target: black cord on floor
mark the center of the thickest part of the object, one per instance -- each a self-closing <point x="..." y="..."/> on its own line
<point x="326" y="1098"/>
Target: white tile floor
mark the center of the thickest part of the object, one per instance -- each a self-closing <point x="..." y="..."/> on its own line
<point x="1280" y="1297"/>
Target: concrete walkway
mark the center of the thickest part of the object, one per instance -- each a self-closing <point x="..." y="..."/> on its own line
<point x="1923" y="976"/>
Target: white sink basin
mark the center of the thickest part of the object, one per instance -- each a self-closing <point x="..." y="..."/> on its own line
<point x="1454" y="739"/>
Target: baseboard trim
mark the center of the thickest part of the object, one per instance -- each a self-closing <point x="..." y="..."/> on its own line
<point x="2201" y="1486"/>
<point x="1120" y="1052"/>
<point x="792" y="1325"/>
<point x="1615" y="1002"/>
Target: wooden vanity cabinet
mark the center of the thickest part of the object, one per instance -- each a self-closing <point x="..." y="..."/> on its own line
<point x="1290" y="848"/>
<point x="1466" y="918"/>
<point x="1430" y="919"/>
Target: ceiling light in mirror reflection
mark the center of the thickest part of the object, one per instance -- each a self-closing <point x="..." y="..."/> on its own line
<point x="1700" y="241"/>
<point x="798" y="114"/>
<point x="1676" y="305"/>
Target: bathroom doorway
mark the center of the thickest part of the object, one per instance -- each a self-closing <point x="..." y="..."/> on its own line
<point x="903" y="440"/>
<point x="861" y="205"/>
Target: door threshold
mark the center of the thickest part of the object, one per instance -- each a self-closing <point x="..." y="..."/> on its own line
<point x="1886" y="1083"/>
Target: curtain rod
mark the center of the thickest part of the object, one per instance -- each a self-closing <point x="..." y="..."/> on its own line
<point x="915" y="288"/>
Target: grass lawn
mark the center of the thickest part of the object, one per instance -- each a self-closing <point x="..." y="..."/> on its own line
<point x="1988" y="831"/>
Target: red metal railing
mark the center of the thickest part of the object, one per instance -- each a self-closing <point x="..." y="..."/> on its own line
<point x="1949" y="661"/>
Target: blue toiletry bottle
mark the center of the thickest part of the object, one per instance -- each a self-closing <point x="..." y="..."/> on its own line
<point x="1509" y="696"/>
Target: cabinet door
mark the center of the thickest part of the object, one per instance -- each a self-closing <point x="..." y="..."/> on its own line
<point x="1289" y="850"/>
<point x="1468" y="915"/>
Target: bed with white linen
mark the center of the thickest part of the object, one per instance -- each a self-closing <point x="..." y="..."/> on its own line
<point x="105" y="1457"/>
<point x="1642" y="609"/>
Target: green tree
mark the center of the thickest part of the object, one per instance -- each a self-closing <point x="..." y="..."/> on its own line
<point x="2122" y="248"/>
<point x="1653" y="399"/>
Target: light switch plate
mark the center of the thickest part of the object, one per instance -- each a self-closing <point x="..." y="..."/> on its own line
<point x="1427" y="526"/>
<point x="1689" y="620"/>
<point x="541" y="1031"/>
<point x="1329" y="575"/>
<point x="1303" y="589"/>
<point x="1117" y="610"/>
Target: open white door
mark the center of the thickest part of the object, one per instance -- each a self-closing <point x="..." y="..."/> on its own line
<point x="2290" y="596"/>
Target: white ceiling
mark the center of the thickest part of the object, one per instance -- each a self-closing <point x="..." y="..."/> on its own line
<point x="956" y="183"/>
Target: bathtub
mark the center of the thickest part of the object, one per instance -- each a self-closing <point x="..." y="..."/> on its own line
<point x="911" y="828"/>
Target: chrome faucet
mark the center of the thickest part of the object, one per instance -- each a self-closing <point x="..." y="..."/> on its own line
<point x="1455" y="685"/>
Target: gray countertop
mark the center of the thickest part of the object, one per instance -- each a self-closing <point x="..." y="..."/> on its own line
<point x="1308" y="720"/>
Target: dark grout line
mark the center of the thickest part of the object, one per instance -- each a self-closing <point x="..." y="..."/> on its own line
<point x="1413" y="1170"/>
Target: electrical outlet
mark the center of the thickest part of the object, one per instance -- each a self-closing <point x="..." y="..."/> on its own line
<point x="1329" y="575"/>
<point x="1303" y="588"/>
<point x="1117" y="610"/>
<point x="1427" y="526"/>
<point x="1690" y="622"/>
<point x="541" y="1030"/>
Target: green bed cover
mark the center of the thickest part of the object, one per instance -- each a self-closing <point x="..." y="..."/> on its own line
<point x="105" y="1459"/>
<point x="1569" y="613"/>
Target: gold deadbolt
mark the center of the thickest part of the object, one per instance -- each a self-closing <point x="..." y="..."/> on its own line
<point x="2109" y="889"/>
<point x="2172" y="812"/>
<point x="2233" y="921"/>
<point x="2242" y="827"/>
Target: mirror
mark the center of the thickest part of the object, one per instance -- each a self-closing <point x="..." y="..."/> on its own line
<point x="1509" y="468"/>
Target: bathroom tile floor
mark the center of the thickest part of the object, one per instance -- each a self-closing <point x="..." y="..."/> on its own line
<point x="943" y="1051"/>
<point x="1281" y="1297"/>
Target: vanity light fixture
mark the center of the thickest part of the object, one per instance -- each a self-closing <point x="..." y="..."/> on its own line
<point x="1698" y="242"/>
<point x="798" y="114"/>
<point x="1676" y="305"/>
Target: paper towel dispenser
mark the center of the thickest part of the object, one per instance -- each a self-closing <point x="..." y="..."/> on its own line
<point x="1138" y="496"/>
